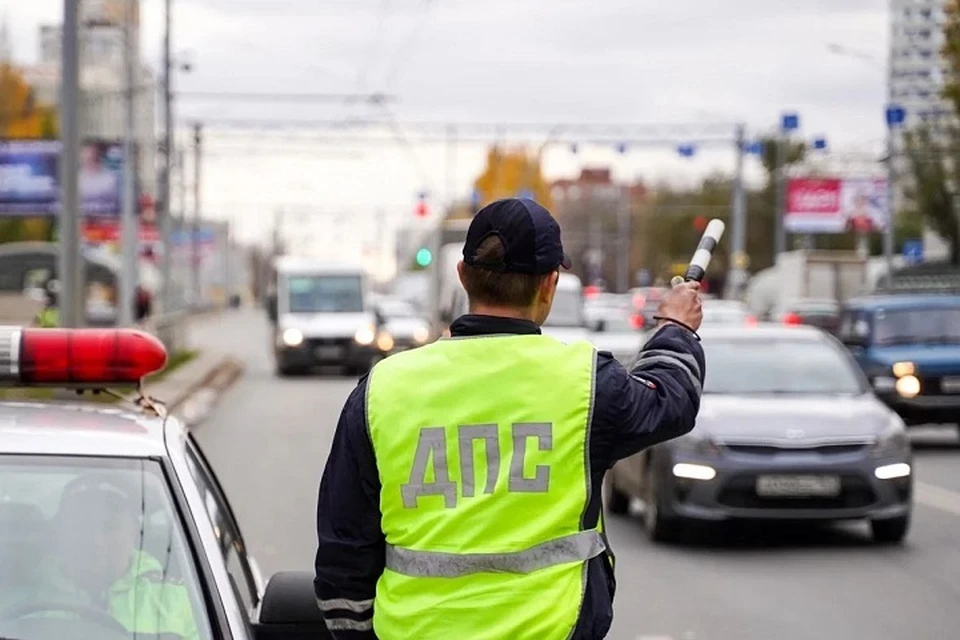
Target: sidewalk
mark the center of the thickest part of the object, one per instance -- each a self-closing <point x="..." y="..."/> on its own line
<point x="192" y="390"/>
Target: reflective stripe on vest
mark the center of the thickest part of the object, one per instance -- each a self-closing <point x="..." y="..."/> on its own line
<point x="482" y="450"/>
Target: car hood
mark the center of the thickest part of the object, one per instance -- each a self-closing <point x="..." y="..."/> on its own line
<point x="327" y="325"/>
<point x="566" y="334"/>
<point x="790" y="420"/>
<point x="929" y="358"/>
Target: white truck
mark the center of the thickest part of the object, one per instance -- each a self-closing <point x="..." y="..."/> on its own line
<point x="322" y="316"/>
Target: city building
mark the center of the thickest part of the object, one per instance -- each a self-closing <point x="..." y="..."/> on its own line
<point x="601" y="220"/>
<point x="917" y="69"/>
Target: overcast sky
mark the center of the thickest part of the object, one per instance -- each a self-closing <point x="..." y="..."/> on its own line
<point x="544" y="61"/>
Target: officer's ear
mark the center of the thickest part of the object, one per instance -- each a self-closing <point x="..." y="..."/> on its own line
<point x="548" y="286"/>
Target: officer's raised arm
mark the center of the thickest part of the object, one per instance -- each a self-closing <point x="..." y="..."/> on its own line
<point x="659" y="399"/>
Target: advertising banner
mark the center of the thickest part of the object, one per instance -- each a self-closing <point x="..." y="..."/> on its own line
<point x="836" y="205"/>
<point x="30" y="178"/>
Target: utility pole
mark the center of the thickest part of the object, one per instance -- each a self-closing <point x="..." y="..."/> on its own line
<point x="451" y="188"/>
<point x="623" y="255"/>
<point x="164" y="209"/>
<point x="195" y="231"/>
<point x="780" y="240"/>
<point x="71" y="271"/>
<point x="737" y="268"/>
<point x="128" y="223"/>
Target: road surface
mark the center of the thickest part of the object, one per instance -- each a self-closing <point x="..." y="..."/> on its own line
<point x="269" y="438"/>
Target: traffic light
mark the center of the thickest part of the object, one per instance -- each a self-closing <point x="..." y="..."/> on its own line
<point x="424" y="257"/>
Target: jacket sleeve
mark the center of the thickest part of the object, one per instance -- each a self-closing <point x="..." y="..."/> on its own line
<point x="351" y="545"/>
<point x="657" y="401"/>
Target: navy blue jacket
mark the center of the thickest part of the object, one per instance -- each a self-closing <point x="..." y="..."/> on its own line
<point x="657" y="401"/>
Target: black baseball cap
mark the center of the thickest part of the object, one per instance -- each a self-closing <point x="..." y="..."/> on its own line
<point x="530" y="237"/>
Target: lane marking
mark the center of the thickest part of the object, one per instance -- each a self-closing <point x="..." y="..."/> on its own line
<point x="937" y="497"/>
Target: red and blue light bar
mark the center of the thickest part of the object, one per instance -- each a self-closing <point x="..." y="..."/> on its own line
<point x="78" y="358"/>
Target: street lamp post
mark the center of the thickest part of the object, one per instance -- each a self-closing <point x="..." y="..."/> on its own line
<point x="788" y="122"/>
<point x="895" y="115"/>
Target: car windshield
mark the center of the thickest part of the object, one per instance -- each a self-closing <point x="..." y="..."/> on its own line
<point x="325" y="294"/>
<point x="94" y="548"/>
<point x="778" y="366"/>
<point x="917" y="326"/>
<point x="567" y="310"/>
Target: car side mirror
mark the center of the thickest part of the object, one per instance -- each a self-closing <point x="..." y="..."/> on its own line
<point x="289" y="609"/>
<point x="272" y="307"/>
<point x="854" y="342"/>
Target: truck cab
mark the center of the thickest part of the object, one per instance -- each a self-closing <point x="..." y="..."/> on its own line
<point x="322" y="316"/>
<point x="908" y="345"/>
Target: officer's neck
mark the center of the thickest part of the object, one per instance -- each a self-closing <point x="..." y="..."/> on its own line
<point x="504" y="312"/>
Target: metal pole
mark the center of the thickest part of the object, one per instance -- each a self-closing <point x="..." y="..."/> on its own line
<point x="780" y="241"/>
<point x="128" y="223"/>
<point x="71" y="269"/>
<point x="623" y="254"/>
<point x="164" y="210"/>
<point x="179" y="221"/>
<point x="195" y="231"/>
<point x="891" y="185"/>
<point x="737" y="268"/>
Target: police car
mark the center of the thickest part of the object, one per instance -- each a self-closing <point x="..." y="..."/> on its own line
<point x="112" y="523"/>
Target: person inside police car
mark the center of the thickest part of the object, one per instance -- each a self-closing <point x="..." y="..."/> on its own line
<point x="462" y="494"/>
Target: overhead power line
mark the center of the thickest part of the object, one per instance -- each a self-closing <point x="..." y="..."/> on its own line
<point x="219" y="96"/>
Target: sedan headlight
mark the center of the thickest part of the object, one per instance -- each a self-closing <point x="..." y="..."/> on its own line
<point x="292" y="337"/>
<point x="893" y="439"/>
<point x="365" y="335"/>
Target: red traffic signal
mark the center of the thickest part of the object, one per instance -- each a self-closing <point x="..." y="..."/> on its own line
<point x="421" y="210"/>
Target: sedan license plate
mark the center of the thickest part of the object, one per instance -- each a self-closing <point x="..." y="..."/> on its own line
<point x="797" y="486"/>
<point x="328" y="353"/>
<point x="950" y="384"/>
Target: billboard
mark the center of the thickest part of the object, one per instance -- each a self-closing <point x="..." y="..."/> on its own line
<point x="836" y="205"/>
<point x="30" y="178"/>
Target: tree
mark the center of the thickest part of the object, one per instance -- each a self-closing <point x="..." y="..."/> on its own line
<point x="510" y="173"/>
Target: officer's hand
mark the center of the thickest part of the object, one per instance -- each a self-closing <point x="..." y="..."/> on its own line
<point x="682" y="304"/>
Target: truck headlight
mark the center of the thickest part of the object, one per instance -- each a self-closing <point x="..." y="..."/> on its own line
<point x="421" y="335"/>
<point x="384" y="341"/>
<point x="365" y="335"/>
<point x="292" y="337"/>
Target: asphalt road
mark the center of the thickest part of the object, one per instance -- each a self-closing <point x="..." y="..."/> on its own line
<point x="269" y="438"/>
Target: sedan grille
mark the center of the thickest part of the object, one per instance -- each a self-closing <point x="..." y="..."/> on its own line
<point x="770" y="450"/>
<point x="740" y="492"/>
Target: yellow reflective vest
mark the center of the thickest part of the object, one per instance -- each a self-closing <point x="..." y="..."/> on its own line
<point x="482" y="450"/>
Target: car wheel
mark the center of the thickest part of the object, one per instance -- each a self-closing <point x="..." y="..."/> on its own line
<point x="890" y="530"/>
<point x="618" y="503"/>
<point x="659" y="527"/>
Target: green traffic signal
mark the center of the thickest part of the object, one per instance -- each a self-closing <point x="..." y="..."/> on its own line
<point x="424" y="257"/>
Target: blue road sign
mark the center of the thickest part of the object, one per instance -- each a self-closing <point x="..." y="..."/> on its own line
<point x="754" y="148"/>
<point x="686" y="150"/>
<point x="896" y="115"/>
<point x="820" y="144"/>
<point x="573" y="147"/>
<point x="790" y="122"/>
<point x="621" y="148"/>
<point x="913" y="251"/>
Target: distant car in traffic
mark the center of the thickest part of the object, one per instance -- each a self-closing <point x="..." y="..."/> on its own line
<point x="726" y="312"/>
<point x="402" y="322"/>
<point x="908" y="345"/>
<point x="322" y="316"/>
<point x="822" y="313"/>
<point x="646" y="301"/>
<point x="788" y="429"/>
<point x="567" y="321"/>
<point x="617" y="333"/>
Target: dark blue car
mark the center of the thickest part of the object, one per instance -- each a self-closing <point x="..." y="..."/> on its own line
<point x="909" y="347"/>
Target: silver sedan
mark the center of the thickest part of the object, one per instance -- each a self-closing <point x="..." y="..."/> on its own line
<point x="789" y="429"/>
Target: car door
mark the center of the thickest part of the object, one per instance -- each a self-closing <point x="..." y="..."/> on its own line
<point x="243" y="570"/>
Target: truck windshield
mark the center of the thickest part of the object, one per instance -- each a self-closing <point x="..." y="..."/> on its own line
<point x="917" y="326"/>
<point x="567" y="310"/>
<point x="325" y="294"/>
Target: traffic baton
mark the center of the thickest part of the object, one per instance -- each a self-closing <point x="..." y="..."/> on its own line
<point x="701" y="257"/>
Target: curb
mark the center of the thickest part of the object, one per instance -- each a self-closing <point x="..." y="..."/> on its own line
<point x="195" y="405"/>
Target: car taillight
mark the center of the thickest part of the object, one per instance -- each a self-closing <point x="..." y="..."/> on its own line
<point x="792" y="319"/>
<point x="637" y="321"/>
<point x="78" y="357"/>
<point x="639" y="301"/>
<point x="751" y="321"/>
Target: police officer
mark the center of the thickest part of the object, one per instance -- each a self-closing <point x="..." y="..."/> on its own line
<point x="462" y="495"/>
<point x="49" y="316"/>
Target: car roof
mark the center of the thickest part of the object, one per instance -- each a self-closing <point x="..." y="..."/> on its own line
<point x="762" y="331"/>
<point x="43" y="428"/>
<point x="904" y="301"/>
